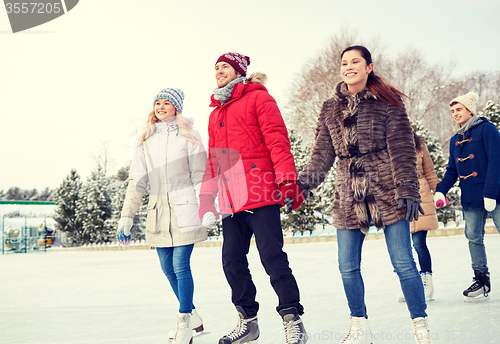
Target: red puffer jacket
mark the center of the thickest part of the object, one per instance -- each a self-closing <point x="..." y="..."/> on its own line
<point x="249" y="149"/>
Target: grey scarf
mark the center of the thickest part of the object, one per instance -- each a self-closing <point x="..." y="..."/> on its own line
<point x="462" y="129"/>
<point x="224" y="93"/>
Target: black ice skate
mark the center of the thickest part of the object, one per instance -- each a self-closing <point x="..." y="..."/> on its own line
<point x="480" y="289"/>
<point x="295" y="333"/>
<point x="246" y="331"/>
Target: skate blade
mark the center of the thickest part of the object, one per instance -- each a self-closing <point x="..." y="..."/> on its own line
<point x="199" y="334"/>
<point x="478" y="298"/>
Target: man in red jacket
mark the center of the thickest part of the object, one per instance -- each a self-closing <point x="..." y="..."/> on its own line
<point x="252" y="171"/>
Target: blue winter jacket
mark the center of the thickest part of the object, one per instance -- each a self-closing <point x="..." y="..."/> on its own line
<point x="475" y="160"/>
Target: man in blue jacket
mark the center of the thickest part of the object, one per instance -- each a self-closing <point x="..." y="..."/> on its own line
<point x="475" y="161"/>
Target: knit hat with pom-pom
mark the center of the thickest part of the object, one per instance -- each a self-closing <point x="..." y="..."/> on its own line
<point x="238" y="61"/>
<point x="174" y="95"/>
<point x="468" y="100"/>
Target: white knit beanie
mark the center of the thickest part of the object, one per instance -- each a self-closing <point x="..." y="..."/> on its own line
<point x="468" y="100"/>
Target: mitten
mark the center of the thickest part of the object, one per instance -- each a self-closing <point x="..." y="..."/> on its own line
<point x="440" y="200"/>
<point x="123" y="233"/>
<point x="207" y="205"/>
<point x="209" y="219"/>
<point x="490" y="204"/>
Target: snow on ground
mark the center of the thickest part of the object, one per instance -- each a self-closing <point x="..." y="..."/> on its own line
<point x="122" y="296"/>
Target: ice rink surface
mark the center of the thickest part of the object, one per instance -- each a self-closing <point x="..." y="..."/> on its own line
<point x="123" y="297"/>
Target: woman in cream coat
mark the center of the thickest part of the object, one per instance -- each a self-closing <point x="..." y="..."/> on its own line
<point x="169" y="156"/>
<point x="428" y="180"/>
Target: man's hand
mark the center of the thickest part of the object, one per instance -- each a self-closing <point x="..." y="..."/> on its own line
<point x="293" y="196"/>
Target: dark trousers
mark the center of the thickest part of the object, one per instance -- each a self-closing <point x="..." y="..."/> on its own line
<point x="265" y="224"/>
<point x="420" y="245"/>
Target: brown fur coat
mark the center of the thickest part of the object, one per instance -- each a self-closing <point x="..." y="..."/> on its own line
<point x="372" y="142"/>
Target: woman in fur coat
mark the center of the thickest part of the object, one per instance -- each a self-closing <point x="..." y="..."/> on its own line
<point x="365" y="128"/>
<point x="169" y="156"/>
<point x="418" y="228"/>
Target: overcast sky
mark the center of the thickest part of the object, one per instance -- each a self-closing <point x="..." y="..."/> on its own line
<point x="86" y="80"/>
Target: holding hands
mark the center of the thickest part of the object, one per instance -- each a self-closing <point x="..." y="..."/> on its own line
<point x="440" y="200"/>
<point x="207" y="212"/>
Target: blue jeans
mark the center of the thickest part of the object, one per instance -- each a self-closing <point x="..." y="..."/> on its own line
<point x="475" y="219"/>
<point x="174" y="262"/>
<point x="397" y="238"/>
<point x="419" y="240"/>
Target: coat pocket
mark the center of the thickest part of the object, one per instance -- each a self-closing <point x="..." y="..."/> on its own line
<point x="249" y="132"/>
<point x="186" y="212"/>
<point x="152" y="217"/>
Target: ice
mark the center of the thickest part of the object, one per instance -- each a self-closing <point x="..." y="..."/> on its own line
<point x="123" y="297"/>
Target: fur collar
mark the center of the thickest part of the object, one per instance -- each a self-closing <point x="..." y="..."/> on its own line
<point x="342" y="93"/>
<point x="258" y="78"/>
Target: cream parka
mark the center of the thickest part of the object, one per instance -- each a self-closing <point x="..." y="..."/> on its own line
<point x="173" y="167"/>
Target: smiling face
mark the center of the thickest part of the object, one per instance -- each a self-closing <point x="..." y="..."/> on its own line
<point x="224" y="74"/>
<point x="460" y="113"/>
<point x="354" y="71"/>
<point x="164" y="109"/>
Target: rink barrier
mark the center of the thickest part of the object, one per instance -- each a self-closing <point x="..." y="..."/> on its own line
<point x="289" y="238"/>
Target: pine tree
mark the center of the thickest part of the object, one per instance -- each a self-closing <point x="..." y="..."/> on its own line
<point x="492" y="112"/>
<point x="305" y="217"/>
<point x="94" y="208"/>
<point x="66" y="197"/>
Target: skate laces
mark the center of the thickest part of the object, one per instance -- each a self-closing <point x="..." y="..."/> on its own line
<point x="181" y="330"/>
<point x="292" y="330"/>
<point x="476" y="285"/>
<point x="421" y="332"/>
<point x="241" y="328"/>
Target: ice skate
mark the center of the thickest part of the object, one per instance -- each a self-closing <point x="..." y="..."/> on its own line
<point x="359" y="332"/>
<point x="428" y="287"/>
<point x="196" y="324"/>
<point x="183" y="331"/>
<point x="480" y="289"/>
<point x="295" y="333"/>
<point x="246" y="331"/>
<point x="421" y="330"/>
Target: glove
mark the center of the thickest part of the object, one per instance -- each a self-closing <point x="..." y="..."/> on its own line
<point x="209" y="219"/>
<point x="412" y="208"/>
<point x="306" y="190"/>
<point x="294" y="197"/>
<point x="123" y="233"/>
<point x="207" y="205"/>
<point x="440" y="200"/>
<point x="490" y="204"/>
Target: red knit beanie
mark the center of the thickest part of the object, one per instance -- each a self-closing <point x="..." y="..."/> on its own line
<point x="237" y="61"/>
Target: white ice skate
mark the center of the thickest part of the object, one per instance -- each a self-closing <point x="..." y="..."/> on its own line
<point x="421" y="330"/>
<point x="359" y="332"/>
<point x="196" y="324"/>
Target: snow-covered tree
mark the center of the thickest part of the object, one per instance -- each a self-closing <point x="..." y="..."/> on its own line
<point x="303" y="218"/>
<point x="94" y="208"/>
<point x="66" y="197"/>
<point x="492" y="112"/>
